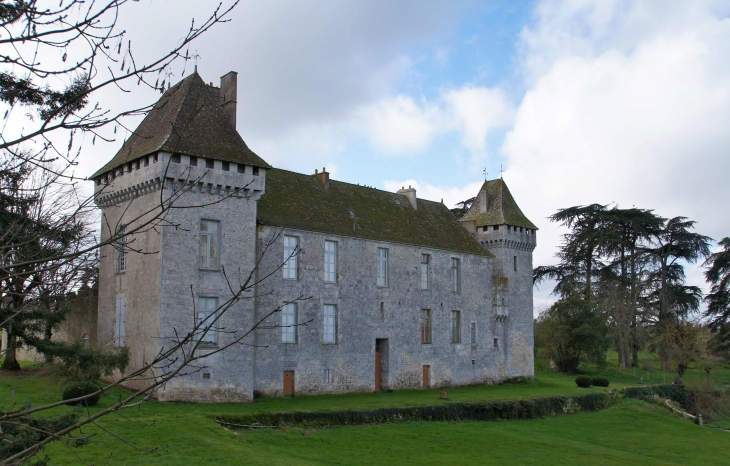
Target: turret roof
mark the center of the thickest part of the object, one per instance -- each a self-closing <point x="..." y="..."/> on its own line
<point x="501" y="207"/>
<point x="187" y="120"/>
<point x="301" y="202"/>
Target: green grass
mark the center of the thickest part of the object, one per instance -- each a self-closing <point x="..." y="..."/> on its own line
<point x="630" y="432"/>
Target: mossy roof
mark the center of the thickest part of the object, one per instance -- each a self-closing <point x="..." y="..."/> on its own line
<point x="187" y="120"/>
<point x="501" y="208"/>
<point x="301" y="202"/>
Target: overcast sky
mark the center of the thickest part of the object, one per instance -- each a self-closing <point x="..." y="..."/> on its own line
<point x="579" y="101"/>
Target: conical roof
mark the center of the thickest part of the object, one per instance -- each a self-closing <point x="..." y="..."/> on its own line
<point x="501" y="207"/>
<point x="187" y="120"/>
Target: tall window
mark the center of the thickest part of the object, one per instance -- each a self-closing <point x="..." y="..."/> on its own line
<point x="209" y="241"/>
<point x="425" y="271"/>
<point x="426" y="326"/>
<point x="455" y="275"/>
<point x="455" y="326"/>
<point x="289" y="323"/>
<point x="119" y="324"/>
<point x="122" y="265"/>
<point x="291" y="244"/>
<point x="330" y="261"/>
<point x="473" y="333"/>
<point x="515" y="263"/>
<point x="382" y="267"/>
<point x="208" y="329"/>
<point x="330" y="323"/>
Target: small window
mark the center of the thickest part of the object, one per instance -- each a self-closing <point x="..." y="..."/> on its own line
<point x="473" y="333"/>
<point x="209" y="243"/>
<point x="382" y="310"/>
<point x="289" y="323"/>
<point x="193" y="161"/>
<point x="129" y="167"/>
<point x="425" y="271"/>
<point x="496" y="342"/>
<point x="515" y="263"/>
<point x="241" y="168"/>
<point x="382" y="267"/>
<point x="175" y="158"/>
<point x="209" y="163"/>
<point x="207" y="326"/>
<point x="291" y="256"/>
<point x="426" y="327"/>
<point x="226" y="166"/>
<point x="328" y="376"/>
<point x="206" y="375"/>
<point x="330" y="261"/>
<point x="495" y="227"/>
<point x="456" y="327"/>
<point x="155" y="158"/>
<point x="330" y="324"/>
<point x="255" y="171"/>
<point x="122" y="252"/>
<point x="146" y="161"/>
<point x="455" y="275"/>
<point x="121" y="311"/>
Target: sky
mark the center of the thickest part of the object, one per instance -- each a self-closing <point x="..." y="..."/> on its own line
<point x="573" y="102"/>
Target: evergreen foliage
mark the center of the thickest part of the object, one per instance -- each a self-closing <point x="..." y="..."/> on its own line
<point x="600" y="381"/>
<point x="583" y="381"/>
<point x="80" y="389"/>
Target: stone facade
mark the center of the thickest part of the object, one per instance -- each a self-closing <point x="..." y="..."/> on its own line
<point x="162" y="280"/>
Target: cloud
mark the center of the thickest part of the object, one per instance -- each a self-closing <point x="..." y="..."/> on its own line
<point x="450" y="195"/>
<point x="399" y="125"/>
<point x="626" y="102"/>
<point x="476" y="111"/>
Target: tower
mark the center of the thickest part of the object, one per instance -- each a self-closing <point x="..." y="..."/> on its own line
<point x="184" y="187"/>
<point x="500" y="226"/>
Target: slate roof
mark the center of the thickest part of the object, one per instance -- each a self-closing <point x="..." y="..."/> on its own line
<point x="501" y="209"/>
<point x="187" y="120"/>
<point x="301" y="202"/>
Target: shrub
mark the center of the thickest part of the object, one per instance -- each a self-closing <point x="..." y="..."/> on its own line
<point x="583" y="381"/>
<point x="80" y="389"/>
<point x="673" y="392"/>
<point x="600" y="381"/>
<point x="519" y="380"/>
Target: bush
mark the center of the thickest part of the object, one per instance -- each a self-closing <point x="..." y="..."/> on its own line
<point x="80" y="389"/>
<point x="600" y="381"/>
<point x="583" y="381"/>
<point x="519" y="380"/>
<point x="673" y="392"/>
<point x="481" y="411"/>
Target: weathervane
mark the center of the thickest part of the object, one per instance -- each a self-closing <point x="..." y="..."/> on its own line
<point x="168" y="75"/>
<point x="501" y="171"/>
<point x="196" y="56"/>
<point x="485" y="173"/>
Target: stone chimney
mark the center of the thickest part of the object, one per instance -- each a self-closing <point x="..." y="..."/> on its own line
<point x="229" y="95"/>
<point x="323" y="177"/>
<point x="410" y="193"/>
<point x="483" y="199"/>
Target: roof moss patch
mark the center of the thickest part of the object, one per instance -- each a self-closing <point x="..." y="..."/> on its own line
<point x="187" y="120"/>
<point x="501" y="208"/>
<point x="301" y="202"/>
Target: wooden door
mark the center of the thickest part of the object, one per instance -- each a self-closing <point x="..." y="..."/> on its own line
<point x="288" y="383"/>
<point x="378" y="371"/>
<point x="426" y="379"/>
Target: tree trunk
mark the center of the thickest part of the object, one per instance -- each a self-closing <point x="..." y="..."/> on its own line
<point x="47" y="336"/>
<point x="680" y="372"/>
<point x="10" y="363"/>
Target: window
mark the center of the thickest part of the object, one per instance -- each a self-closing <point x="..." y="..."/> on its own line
<point x="291" y="254"/>
<point x="330" y="323"/>
<point x="209" y="163"/>
<point x="455" y="326"/>
<point x="515" y="263"/>
<point x="382" y="267"/>
<point x="496" y="342"/>
<point x="330" y="261"/>
<point x="495" y="227"/>
<point x="382" y="310"/>
<point x="289" y="323"/>
<point x="241" y="168"/>
<point x="426" y="327"/>
<point x="209" y="232"/>
<point x="226" y="166"/>
<point x="207" y="327"/>
<point x="455" y="275"/>
<point x="193" y="161"/>
<point x="119" y="324"/>
<point x="328" y="376"/>
<point x="473" y="333"/>
<point x="175" y="158"/>
<point x="122" y="258"/>
<point x="425" y="271"/>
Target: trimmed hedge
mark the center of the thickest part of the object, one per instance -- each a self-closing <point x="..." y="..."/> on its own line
<point x="80" y="389"/>
<point x="673" y="392"/>
<point x="583" y="381"/>
<point x="600" y="381"/>
<point x="484" y="411"/>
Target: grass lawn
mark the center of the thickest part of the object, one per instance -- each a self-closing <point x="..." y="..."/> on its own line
<point x="630" y="432"/>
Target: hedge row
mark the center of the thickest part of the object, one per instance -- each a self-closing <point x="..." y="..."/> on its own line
<point x="676" y="393"/>
<point x="484" y="411"/>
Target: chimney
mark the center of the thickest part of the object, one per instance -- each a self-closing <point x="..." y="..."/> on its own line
<point x="410" y="193"/>
<point x="483" y="200"/>
<point x="229" y="95"/>
<point x="323" y="177"/>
